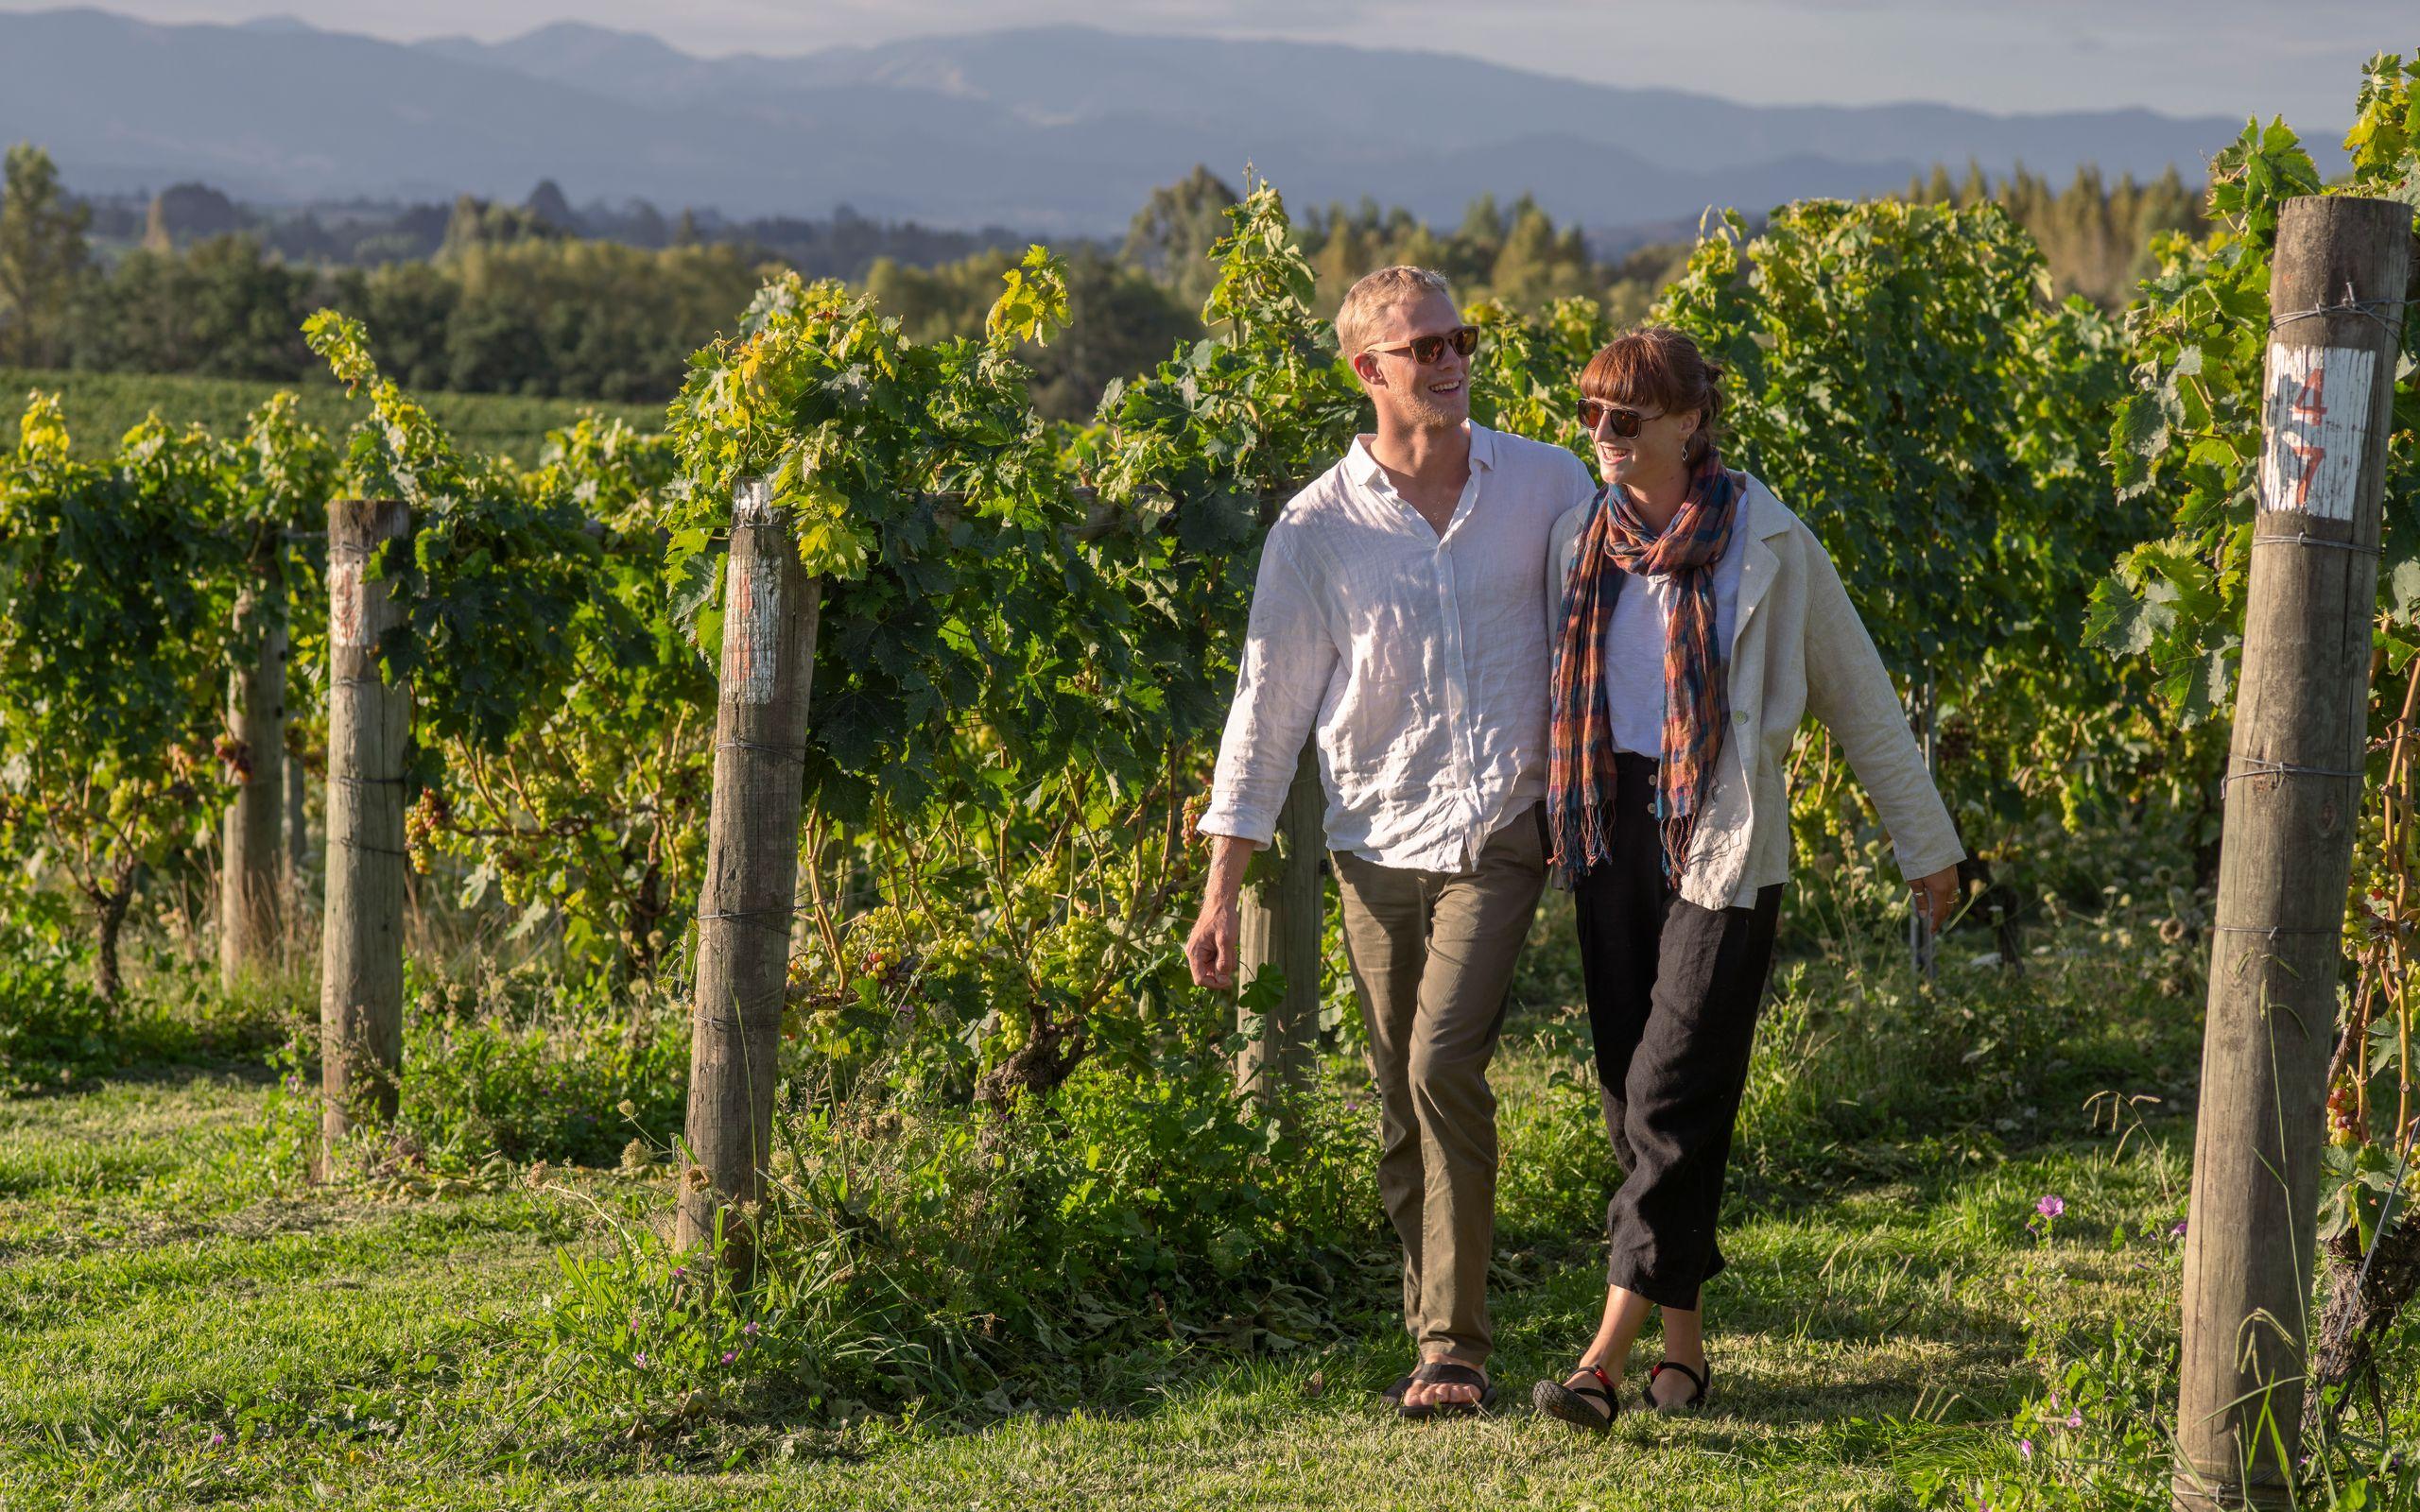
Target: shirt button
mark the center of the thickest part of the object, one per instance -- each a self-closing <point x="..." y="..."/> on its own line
<point x="1740" y="717"/>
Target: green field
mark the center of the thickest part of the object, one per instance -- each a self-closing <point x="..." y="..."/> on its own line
<point x="189" y="1324"/>
<point x="102" y="406"/>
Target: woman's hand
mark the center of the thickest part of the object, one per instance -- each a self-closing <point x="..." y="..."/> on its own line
<point x="1938" y="894"/>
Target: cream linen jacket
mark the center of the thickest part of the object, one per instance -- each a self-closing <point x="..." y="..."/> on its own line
<point x="1793" y="612"/>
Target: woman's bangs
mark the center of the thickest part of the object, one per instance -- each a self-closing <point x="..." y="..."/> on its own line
<point x="1628" y="373"/>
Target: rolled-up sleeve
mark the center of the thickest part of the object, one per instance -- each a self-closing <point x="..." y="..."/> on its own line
<point x="1850" y="691"/>
<point x="1289" y="655"/>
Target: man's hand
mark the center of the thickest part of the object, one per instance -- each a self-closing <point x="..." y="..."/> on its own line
<point x="1213" y="947"/>
<point x="1937" y="894"/>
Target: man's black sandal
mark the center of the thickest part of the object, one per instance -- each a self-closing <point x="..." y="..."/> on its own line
<point x="1693" y="1401"/>
<point x="1446" y="1373"/>
<point x="1395" y="1393"/>
<point x="1572" y="1404"/>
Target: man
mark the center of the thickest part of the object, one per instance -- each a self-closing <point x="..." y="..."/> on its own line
<point x="1398" y="620"/>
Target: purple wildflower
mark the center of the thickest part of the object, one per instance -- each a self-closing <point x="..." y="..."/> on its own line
<point x="749" y="1328"/>
<point x="217" y="1439"/>
<point x="2075" y="1420"/>
<point x="728" y="1355"/>
<point x="2050" y="1206"/>
<point x="679" y="1273"/>
<point x="2025" y="1447"/>
<point x="2177" y="1232"/>
<point x="639" y="1358"/>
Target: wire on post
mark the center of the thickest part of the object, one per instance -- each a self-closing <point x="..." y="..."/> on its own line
<point x="2367" y="309"/>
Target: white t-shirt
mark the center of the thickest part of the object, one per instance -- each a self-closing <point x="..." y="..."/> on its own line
<point x="1634" y="644"/>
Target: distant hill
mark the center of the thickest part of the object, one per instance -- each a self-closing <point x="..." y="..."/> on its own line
<point x="1059" y="129"/>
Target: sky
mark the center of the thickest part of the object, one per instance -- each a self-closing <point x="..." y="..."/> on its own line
<point x="2230" y="57"/>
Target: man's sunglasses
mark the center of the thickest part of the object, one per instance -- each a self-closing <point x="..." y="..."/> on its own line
<point x="1426" y="350"/>
<point x="1624" y="423"/>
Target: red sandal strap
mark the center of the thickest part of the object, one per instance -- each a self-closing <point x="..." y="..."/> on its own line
<point x="1695" y="1379"/>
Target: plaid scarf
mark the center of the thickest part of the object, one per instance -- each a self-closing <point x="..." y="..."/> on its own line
<point x="1696" y="689"/>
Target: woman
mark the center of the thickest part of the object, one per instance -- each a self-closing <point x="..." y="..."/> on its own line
<point x="1697" y="620"/>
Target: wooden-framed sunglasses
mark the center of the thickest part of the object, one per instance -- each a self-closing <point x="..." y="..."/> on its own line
<point x="1426" y="350"/>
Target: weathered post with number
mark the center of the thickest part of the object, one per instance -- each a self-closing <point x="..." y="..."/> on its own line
<point x="370" y="728"/>
<point x="1280" y="921"/>
<point x="250" y="935"/>
<point x="2293" y="796"/>
<point x="770" y="610"/>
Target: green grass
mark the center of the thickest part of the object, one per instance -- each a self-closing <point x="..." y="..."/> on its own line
<point x="102" y="406"/>
<point x="164" y="1279"/>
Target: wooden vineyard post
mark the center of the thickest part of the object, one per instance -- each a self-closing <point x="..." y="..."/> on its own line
<point x="370" y="726"/>
<point x="770" y="610"/>
<point x="2293" y="797"/>
<point x="249" y="934"/>
<point x="1279" y="926"/>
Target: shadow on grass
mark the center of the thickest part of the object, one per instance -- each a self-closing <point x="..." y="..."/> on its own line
<point x="170" y="1059"/>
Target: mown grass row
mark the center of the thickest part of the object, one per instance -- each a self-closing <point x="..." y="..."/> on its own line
<point x="190" y="1323"/>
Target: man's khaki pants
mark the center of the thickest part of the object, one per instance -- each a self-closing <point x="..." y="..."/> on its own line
<point x="1432" y="957"/>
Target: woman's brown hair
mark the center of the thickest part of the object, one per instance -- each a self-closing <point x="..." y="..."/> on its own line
<point x="1655" y="367"/>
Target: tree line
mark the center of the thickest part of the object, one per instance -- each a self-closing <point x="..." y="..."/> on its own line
<point x="518" y="300"/>
<point x="2096" y="237"/>
<point x="358" y="234"/>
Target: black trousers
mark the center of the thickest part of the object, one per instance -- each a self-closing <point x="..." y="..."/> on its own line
<point x="1673" y="991"/>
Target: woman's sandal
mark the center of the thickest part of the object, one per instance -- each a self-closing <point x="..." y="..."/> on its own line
<point x="1695" y="1401"/>
<point x="1446" y="1373"/>
<point x="1572" y="1404"/>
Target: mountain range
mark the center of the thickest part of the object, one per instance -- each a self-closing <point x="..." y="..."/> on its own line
<point x="1057" y="130"/>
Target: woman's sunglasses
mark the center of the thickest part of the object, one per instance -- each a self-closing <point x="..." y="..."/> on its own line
<point x="1426" y="350"/>
<point x="1624" y="423"/>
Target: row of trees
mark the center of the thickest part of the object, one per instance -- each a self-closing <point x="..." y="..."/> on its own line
<point x="2099" y="239"/>
<point x="500" y="310"/>
<point x="510" y="299"/>
<point x="841" y="245"/>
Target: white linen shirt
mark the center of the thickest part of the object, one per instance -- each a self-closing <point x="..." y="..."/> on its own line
<point x="1416" y="660"/>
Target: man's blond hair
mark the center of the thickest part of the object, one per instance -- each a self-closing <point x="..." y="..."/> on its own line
<point x="1368" y="300"/>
